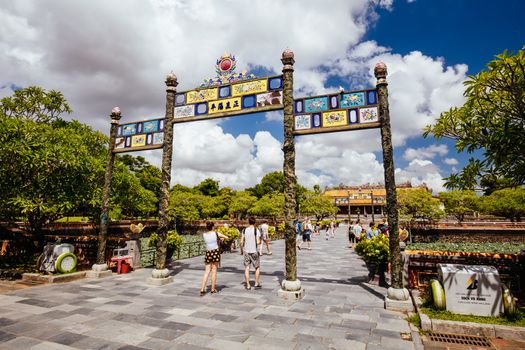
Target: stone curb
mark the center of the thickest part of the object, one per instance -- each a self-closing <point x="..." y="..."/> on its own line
<point x="471" y="328"/>
<point x="53" y="278"/>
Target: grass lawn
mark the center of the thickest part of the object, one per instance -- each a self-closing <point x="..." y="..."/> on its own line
<point x="482" y="247"/>
<point x="518" y="321"/>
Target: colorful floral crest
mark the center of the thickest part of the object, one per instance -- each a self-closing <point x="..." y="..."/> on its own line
<point x="225" y="69"/>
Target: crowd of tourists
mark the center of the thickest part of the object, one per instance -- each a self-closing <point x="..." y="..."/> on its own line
<point x="254" y="238"/>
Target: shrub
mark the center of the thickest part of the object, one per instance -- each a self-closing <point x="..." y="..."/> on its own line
<point x="173" y="240"/>
<point x="280" y="228"/>
<point x="231" y="232"/>
<point x="271" y="231"/>
<point x="374" y="250"/>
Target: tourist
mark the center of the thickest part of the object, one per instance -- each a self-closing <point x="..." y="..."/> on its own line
<point x="333" y="225"/>
<point x="250" y="239"/>
<point x="298" y="228"/>
<point x="357" y="229"/>
<point x="265" y="237"/>
<point x="351" y="237"/>
<point x="307" y="233"/>
<point x="212" y="258"/>
<point x="371" y="231"/>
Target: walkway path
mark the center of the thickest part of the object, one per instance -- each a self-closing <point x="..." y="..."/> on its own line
<point x="339" y="310"/>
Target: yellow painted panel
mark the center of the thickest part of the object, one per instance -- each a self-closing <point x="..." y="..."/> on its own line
<point x="250" y="87"/>
<point x="224" y="105"/>
<point x="335" y="118"/>
<point x="195" y="96"/>
<point x="138" y="140"/>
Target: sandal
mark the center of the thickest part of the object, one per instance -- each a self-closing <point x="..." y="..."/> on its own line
<point x="248" y="288"/>
<point x="257" y="286"/>
<point x="269" y="253"/>
<point x="202" y="292"/>
<point x="213" y="291"/>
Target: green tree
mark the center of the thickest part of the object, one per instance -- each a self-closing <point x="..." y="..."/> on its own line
<point x="48" y="169"/>
<point x="241" y="203"/>
<point x="208" y="187"/>
<point x="270" y="206"/>
<point x="36" y="104"/>
<point x="418" y="203"/>
<point x="509" y="203"/>
<point x="318" y="205"/>
<point x="128" y="197"/>
<point x="271" y="182"/>
<point x="491" y="120"/>
<point x="459" y="203"/>
<point x="185" y="205"/>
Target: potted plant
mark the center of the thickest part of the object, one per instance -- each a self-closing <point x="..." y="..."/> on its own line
<point x="376" y="253"/>
<point x="173" y="241"/>
<point x="233" y="235"/>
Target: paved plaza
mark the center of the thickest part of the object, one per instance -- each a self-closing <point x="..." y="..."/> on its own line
<point x="339" y="310"/>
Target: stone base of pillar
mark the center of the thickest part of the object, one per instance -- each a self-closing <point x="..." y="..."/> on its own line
<point x="160" y="281"/>
<point x="98" y="274"/>
<point x="398" y="299"/>
<point x="291" y="290"/>
<point x="99" y="271"/>
<point x="399" y="305"/>
<point x="160" y="277"/>
<point x="291" y="295"/>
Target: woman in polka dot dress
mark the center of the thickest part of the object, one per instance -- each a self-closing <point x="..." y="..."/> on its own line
<point x="212" y="258"/>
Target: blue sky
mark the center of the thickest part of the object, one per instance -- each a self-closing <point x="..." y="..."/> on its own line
<point x="120" y="54"/>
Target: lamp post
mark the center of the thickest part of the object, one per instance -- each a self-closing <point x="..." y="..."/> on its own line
<point x="397" y="296"/>
<point x="100" y="268"/>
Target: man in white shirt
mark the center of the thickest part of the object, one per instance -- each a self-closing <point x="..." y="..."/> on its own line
<point x="250" y="239"/>
<point x="357" y="229"/>
<point x="265" y="235"/>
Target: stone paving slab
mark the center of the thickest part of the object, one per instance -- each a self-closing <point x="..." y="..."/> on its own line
<point x="339" y="310"/>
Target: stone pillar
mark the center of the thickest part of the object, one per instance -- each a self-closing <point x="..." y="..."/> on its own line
<point x="100" y="268"/>
<point x="291" y="286"/>
<point x="396" y="293"/>
<point x="160" y="275"/>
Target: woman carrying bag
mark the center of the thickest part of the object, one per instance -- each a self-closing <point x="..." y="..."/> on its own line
<point x="212" y="258"/>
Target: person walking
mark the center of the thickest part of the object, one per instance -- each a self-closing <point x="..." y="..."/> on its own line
<point x="298" y="230"/>
<point x="250" y="239"/>
<point x="333" y="225"/>
<point x="265" y="238"/>
<point x="212" y="258"/>
<point x="371" y="231"/>
<point x="307" y="234"/>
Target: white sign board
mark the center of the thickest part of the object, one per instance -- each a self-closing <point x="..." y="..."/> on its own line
<point x="471" y="289"/>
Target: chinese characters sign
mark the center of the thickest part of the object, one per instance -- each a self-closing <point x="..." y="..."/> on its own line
<point x="336" y="112"/>
<point x="148" y="134"/>
<point x="249" y="96"/>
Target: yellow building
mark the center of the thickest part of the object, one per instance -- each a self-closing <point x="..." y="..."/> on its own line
<point x="361" y="200"/>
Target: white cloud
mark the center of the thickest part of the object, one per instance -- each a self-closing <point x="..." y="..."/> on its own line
<point x="120" y="52"/>
<point x="451" y="161"/>
<point x="425" y="152"/>
<point x="422" y="172"/>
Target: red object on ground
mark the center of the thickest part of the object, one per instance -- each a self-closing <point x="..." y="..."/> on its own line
<point x="121" y="260"/>
<point x="124" y="268"/>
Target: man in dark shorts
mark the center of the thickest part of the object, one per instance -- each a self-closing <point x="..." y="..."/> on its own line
<point x="307" y="234"/>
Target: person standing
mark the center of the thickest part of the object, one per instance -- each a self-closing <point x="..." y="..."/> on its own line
<point x="250" y="239"/>
<point x="351" y="237"/>
<point x="265" y="238"/>
<point x="212" y="258"/>
<point x="357" y="229"/>
<point x="307" y="234"/>
<point x="298" y="230"/>
<point x="371" y="231"/>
